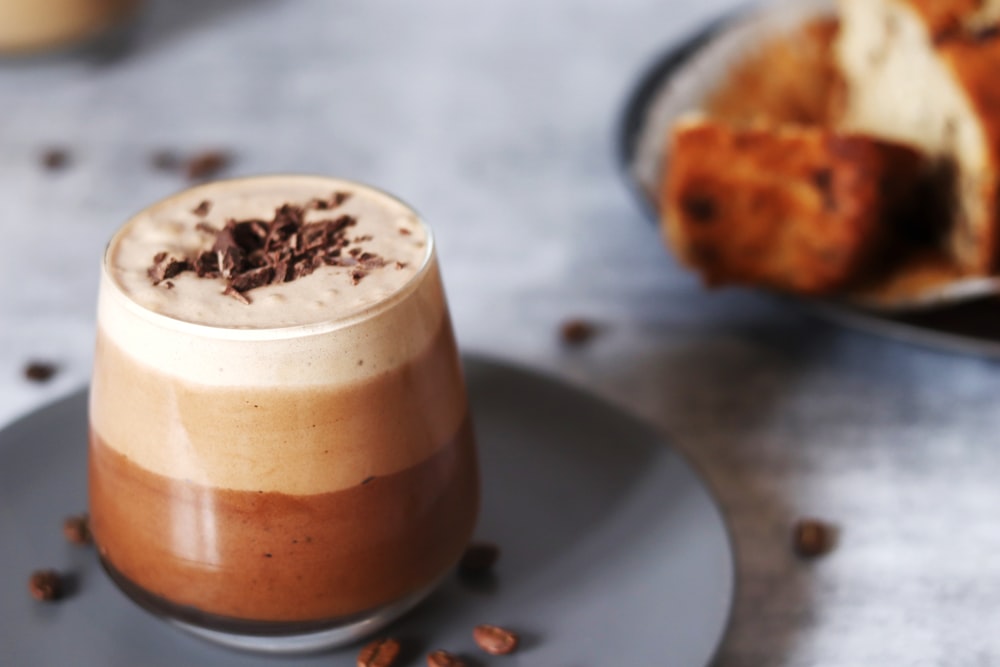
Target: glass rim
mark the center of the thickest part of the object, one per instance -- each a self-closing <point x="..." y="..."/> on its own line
<point x="115" y="289"/>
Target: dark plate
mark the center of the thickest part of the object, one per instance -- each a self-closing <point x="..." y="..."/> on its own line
<point x="972" y="327"/>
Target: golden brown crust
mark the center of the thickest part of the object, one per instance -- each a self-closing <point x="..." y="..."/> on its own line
<point x="797" y="209"/>
<point x="790" y="79"/>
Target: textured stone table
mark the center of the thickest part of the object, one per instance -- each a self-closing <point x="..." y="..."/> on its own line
<point x="496" y="120"/>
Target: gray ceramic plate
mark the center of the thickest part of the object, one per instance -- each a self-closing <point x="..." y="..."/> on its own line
<point x="970" y="327"/>
<point x="614" y="551"/>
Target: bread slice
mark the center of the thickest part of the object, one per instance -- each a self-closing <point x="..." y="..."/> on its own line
<point x="927" y="73"/>
<point x="791" y="77"/>
<point x="800" y="209"/>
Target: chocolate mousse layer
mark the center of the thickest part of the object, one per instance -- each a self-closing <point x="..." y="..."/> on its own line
<point x="274" y="557"/>
<point x="279" y="431"/>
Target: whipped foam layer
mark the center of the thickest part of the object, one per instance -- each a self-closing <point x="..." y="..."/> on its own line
<point x="371" y="388"/>
<point x="385" y="227"/>
<point x="363" y="330"/>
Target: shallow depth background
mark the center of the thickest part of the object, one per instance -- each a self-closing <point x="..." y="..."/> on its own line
<point x="496" y="120"/>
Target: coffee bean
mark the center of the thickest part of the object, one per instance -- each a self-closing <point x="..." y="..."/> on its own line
<point x="441" y="658"/>
<point x="379" y="653"/>
<point x="40" y="371"/>
<point x="206" y="164"/>
<point x="76" y="529"/>
<point x="479" y="558"/>
<point x="577" y="331"/>
<point x="55" y="159"/>
<point x="495" y="640"/>
<point x="45" y="585"/>
<point x="813" y="537"/>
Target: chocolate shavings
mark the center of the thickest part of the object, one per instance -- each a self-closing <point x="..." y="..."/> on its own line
<point x="248" y="254"/>
<point x="202" y="209"/>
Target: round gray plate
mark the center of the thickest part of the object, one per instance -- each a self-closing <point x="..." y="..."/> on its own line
<point x="972" y="327"/>
<point x="614" y="551"/>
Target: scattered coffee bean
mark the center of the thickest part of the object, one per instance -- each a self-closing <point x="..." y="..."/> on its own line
<point x="206" y="165"/>
<point x="441" y="658"/>
<point x="813" y="537"/>
<point x="45" y="585"/>
<point x="577" y="331"/>
<point x="478" y="559"/>
<point x="76" y="529"/>
<point x="55" y="159"/>
<point x="379" y="653"/>
<point x="39" y="371"/>
<point x="495" y="640"/>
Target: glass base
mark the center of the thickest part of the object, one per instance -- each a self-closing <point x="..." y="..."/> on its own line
<point x="310" y="642"/>
<point x="269" y="637"/>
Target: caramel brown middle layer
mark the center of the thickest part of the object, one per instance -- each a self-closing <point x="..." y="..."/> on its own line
<point x="293" y="439"/>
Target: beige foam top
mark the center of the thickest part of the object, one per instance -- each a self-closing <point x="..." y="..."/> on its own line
<point x="285" y="336"/>
<point x="396" y="232"/>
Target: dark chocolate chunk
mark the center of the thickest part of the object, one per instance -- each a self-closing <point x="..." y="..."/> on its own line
<point x="231" y="261"/>
<point x="207" y="265"/>
<point x="165" y="267"/>
<point x="253" y="278"/>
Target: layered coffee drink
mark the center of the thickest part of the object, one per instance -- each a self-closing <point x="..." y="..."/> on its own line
<point x="30" y="26"/>
<point x="281" y="455"/>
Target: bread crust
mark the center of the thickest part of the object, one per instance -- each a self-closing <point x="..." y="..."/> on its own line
<point x="799" y="209"/>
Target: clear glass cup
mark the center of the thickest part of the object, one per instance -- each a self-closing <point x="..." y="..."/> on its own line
<point x="280" y="488"/>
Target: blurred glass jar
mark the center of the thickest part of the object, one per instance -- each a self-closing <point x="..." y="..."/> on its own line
<point x="30" y="27"/>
